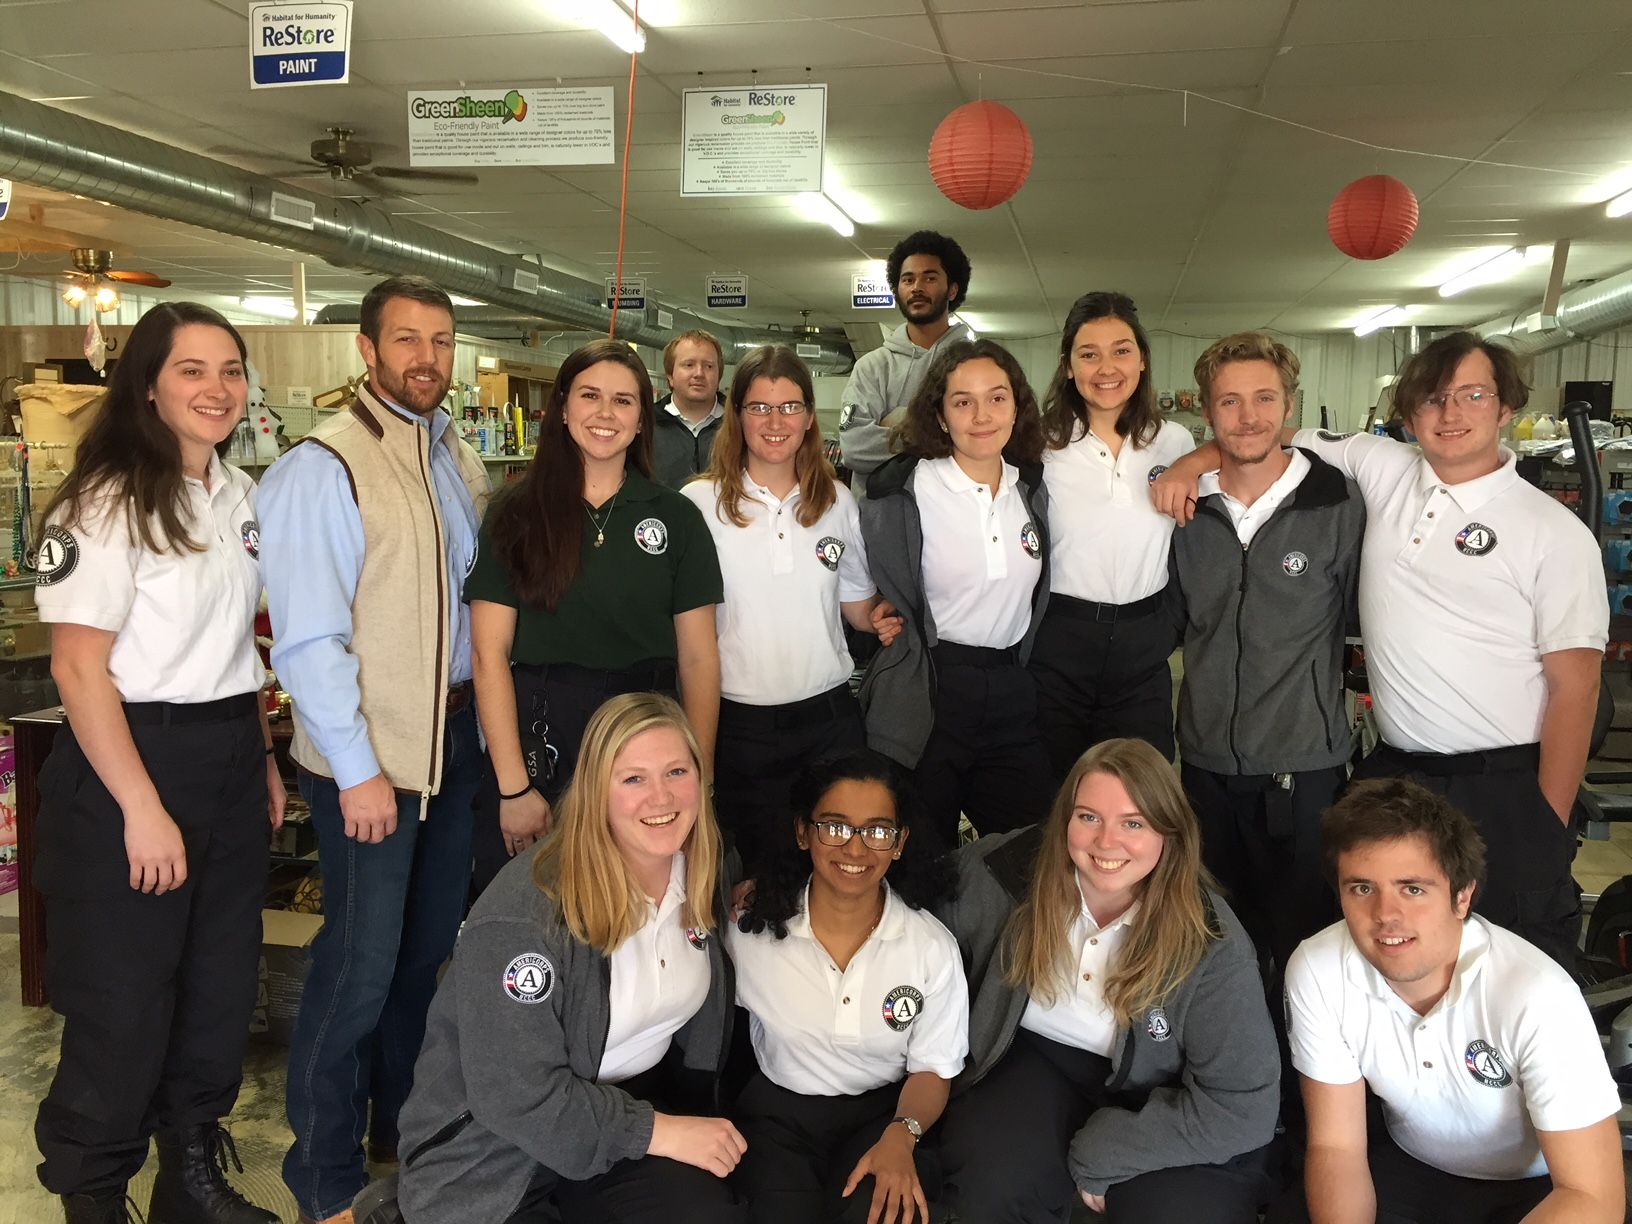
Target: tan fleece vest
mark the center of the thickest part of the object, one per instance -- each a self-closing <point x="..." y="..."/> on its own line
<point x="400" y="632"/>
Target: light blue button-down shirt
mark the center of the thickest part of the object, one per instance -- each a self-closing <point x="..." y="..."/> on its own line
<point x="311" y="559"/>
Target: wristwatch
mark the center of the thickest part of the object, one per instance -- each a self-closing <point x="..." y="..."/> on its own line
<point x="913" y="1128"/>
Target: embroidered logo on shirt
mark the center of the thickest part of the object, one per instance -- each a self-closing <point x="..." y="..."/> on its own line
<point x="697" y="937"/>
<point x="529" y="978"/>
<point x="1485" y="1065"/>
<point x="57" y="555"/>
<point x="1031" y="542"/>
<point x="1330" y="435"/>
<point x="847" y="416"/>
<point x="652" y="536"/>
<point x="1475" y="540"/>
<point x="1156" y="1024"/>
<point x="1155" y="472"/>
<point x="901" y="1007"/>
<point x="1295" y="563"/>
<point x="250" y="533"/>
<point x="828" y="551"/>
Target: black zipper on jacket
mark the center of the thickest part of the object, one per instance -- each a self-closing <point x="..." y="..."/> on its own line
<point x="1314" y="684"/>
<point x="445" y="1134"/>
<point x="1240" y="644"/>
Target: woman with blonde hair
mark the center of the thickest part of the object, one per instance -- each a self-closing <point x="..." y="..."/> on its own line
<point x="795" y="571"/>
<point x="588" y="1002"/>
<point x="1120" y="1048"/>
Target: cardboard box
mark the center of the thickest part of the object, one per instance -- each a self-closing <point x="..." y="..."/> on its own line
<point x="286" y="940"/>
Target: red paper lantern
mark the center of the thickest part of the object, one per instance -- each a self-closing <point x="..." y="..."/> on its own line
<point x="980" y="155"/>
<point x="1372" y="217"/>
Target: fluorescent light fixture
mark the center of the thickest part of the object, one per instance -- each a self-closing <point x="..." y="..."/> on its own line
<point x="1619" y="206"/>
<point x="1385" y="317"/>
<point x="616" y="22"/>
<point x="464" y="301"/>
<point x="976" y="328"/>
<point x="1493" y="269"/>
<point x="819" y="208"/>
<point x="275" y="307"/>
<point x="1539" y="253"/>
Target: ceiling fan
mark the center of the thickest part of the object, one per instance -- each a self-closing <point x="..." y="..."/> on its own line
<point x="94" y="279"/>
<point x="344" y="159"/>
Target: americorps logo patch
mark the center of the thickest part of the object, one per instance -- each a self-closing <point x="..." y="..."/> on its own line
<point x="56" y="556"/>
<point x="1031" y="541"/>
<point x="902" y="1006"/>
<point x="1156" y="1024"/>
<point x="828" y="551"/>
<point x="529" y="978"/>
<point x="1475" y="540"/>
<point x="250" y="533"/>
<point x="1295" y="563"/>
<point x="1155" y="472"/>
<point x="652" y="535"/>
<point x="1485" y="1065"/>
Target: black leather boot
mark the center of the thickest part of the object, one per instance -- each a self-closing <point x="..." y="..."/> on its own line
<point x="192" y="1185"/>
<point x="83" y="1209"/>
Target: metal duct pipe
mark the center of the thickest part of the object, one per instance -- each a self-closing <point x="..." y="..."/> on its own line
<point x="67" y="152"/>
<point x="1583" y="312"/>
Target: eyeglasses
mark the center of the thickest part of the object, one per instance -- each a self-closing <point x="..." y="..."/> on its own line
<point x="791" y="408"/>
<point x="873" y="836"/>
<point x="1462" y="397"/>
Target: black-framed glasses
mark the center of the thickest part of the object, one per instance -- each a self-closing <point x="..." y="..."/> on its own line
<point x="873" y="836"/>
<point x="1462" y="397"/>
<point x="791" y="408"/>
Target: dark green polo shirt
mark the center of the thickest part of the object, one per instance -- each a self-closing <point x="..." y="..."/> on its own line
<point x="658" y="561"/>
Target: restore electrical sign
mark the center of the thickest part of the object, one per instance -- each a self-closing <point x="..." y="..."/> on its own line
<point x="299" y="44"/>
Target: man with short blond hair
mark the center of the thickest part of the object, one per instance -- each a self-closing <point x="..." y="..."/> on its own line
<point x="689" y="416"/>
<point x="1266" y="572"/>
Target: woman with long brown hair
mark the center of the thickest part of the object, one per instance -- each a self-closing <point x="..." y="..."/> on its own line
<point x="956" y="531"/>
<point x="1120" y="1048"/>
<point x="789" y="542"/>
<point x="590" y="580"/>
<point x="1101" y="655"/>
<point x="572" y="1050"/>
<point x="156" y="797"/>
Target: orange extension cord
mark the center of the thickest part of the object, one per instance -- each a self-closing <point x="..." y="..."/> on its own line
<point x="623" y="199"/>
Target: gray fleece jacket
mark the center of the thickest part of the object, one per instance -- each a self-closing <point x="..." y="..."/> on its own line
<point x="1198" y="1081"/>
<point x="898" y="692"/>
<point x="883" y="380"/>
<point x="1263" y="630"/>
<point x="505" y="1082"/>
<point x="677" y="453"/>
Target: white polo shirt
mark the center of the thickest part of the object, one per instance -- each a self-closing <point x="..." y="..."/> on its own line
<point x="982" y="554"/>
<point x="901" y="1006"/>
<point x="1108" y="542"/>
<point x="780" y="630"/>
<point x="1248" y="519"/>
<point x="1080" y="1017"/>
<point x="1510" y="1050"/>
<point x="185" y="621"/>
<point x="659" y="981"/>
<point x="1462" y="589"/>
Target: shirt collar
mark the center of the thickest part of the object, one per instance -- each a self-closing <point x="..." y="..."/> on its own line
<point x="714" y="414"/>
<point x="215" y="483"/>
<point x="436" y="422"/>
<point x="892" y="923"/>
<point x="1470" y="495"/>
<point x="958" y="481"/>
<point x="674" y="896"/>
<point x="763" y="494"/>
<point x="1470" y="961"/>
<point x="636" y="487"/>
<point x="1086" y="915"/>
<point x="1296" y="469"/>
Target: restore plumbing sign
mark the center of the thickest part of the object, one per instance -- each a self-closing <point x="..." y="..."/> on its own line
<point x="510" y="125"/>
<point x="627" y="294"/>
<point x="299" y="44"/>
<point x="753" y="141"/>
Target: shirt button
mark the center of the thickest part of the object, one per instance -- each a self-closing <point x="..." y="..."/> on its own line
<point x="1430" y="514"/>
<point x="662" y="964"/>
<point x="994" y="539"/>
<point x="780" y="535"/>
<point x="1416" y="540"/>
<point x="1087" y="977"/>
<point x="1428" y="1064"/>
<point x="1094" y="942"/>
<point x="847" y="998"/>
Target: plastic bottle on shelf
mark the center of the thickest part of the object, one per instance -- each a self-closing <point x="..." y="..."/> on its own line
<point x="1525" y="429"/>
<point x="1545" y="429"/>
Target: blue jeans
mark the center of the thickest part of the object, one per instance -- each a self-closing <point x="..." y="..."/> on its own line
<point x="391" y="915"/>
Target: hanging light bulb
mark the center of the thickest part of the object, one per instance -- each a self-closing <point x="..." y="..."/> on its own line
<point x="106" y="298"/>
<point x="74" y="295"/>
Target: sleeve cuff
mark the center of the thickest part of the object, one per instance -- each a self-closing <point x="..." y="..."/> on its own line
<point x="353" y="766"/>
<point x="1596" y="641"/>
<point x="96" y="618"/>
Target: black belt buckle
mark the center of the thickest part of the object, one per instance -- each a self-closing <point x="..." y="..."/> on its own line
<point x="1105" y="614"/>
<point x="459" y="696"/>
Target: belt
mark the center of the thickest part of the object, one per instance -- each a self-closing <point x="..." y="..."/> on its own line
<point x="959" y="655"/>
<point x="1104" y="613"/>
<point x="460" y="695"/>
<point x="1517" y="758"/>
<point x="173" y="712"/>
<point x="649" y="675"/>
<point x="837" y="702"/>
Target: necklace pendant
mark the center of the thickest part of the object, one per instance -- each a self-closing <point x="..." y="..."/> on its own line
<point x="600" y="538"/>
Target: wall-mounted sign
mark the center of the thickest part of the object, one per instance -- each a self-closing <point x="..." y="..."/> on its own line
<point x="304" y="43"/>
<point x="727" y="292"/>
<point x="752" y="141"/>
<point x="870" y="293"/>
<point x="519" y="126"/>
<point x="630" y="295"/>
<point x="5" y="198"/>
